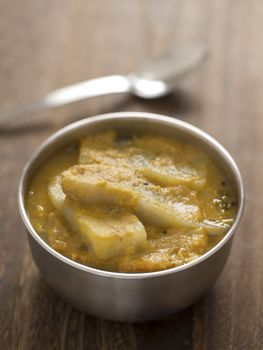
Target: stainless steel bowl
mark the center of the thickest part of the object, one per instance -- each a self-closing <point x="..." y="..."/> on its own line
<point x="130" y="296"/>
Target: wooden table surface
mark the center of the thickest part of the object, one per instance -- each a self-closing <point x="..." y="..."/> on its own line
<point x="48" y="44"/>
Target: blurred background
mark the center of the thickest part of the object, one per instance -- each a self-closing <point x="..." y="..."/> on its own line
<point x="48" y="44"/>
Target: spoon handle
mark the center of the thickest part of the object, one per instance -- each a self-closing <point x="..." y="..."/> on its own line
<point x="69" y="94"/>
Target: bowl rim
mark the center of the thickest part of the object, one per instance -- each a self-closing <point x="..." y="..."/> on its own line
<point x="140" y="115"/>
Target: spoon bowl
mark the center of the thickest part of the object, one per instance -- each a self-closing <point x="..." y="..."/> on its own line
<point x="159" y="76"/>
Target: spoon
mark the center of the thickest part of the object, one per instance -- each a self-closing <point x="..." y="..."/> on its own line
<point x="153" y="79"/>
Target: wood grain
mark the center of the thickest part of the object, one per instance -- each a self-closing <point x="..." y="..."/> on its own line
<point x="47" y="44"/>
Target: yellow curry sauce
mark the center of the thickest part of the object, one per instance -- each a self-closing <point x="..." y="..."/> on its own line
<point x="143" y="204"/>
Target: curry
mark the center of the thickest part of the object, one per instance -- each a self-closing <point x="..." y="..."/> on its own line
<point x="140" y="204"/>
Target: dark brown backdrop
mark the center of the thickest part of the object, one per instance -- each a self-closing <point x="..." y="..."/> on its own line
<point x="47" y="44"/>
